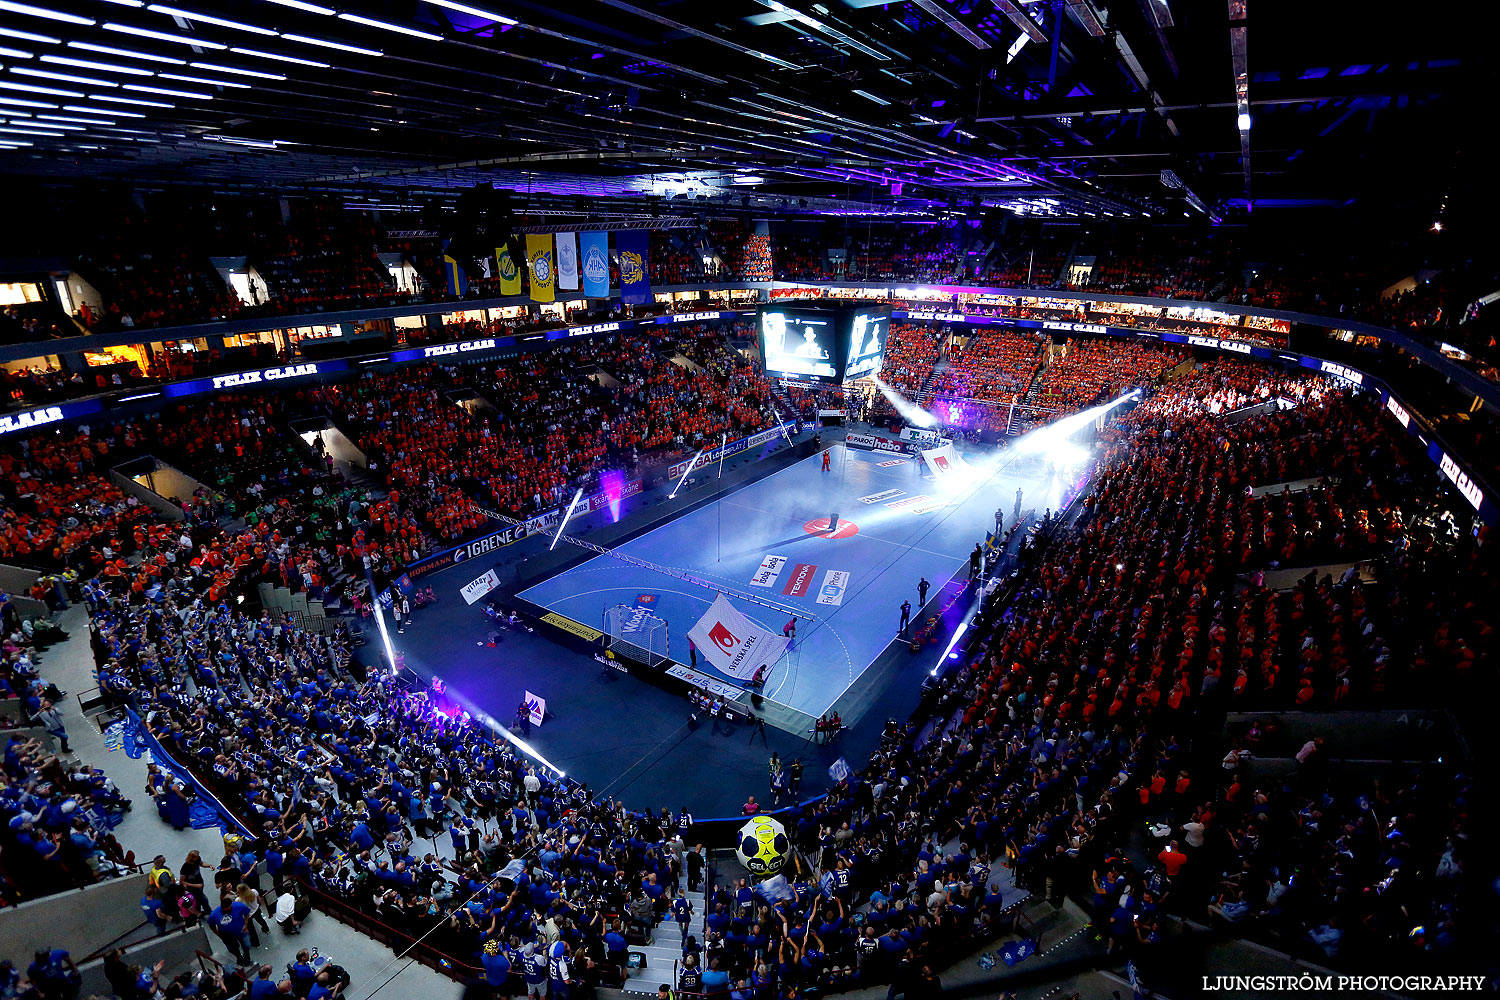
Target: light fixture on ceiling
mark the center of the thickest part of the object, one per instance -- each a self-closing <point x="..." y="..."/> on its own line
<point x="870" y="97"/>
<point x="47" y="12"/>
<point x="279" y="57"/>
<point x="325" y="43"/>
<point x="110" y="50"/>
<point x="28" y="89"/>
<point x="163" y="36"/>
<point x="464" y="8"/>
<point x="103" y="66"/>
<point x="9" y="53"/>
<point x="193" y="15"/>
<point x="81" y="121"/>
<point x="23" y="103"/>
<point x="204" y="80"/>
<point x="64" y="77"/>
<point x="167" y="91"/>
<point x="41" y="125"/>
<point x="237" y="71"/>
<point x="129" y="100"/>
<point x="27" y="131"/>
<point x="114" y="112"/>
<point x="1243" y="121"/>
<point x="29" y="36"/>
<point x="388" y="26"/>
<point x="311" y="8"/>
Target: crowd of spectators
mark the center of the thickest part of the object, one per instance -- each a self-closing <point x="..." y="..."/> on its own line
<point x="1128" y="627"/>
<point x="992" y="364"/>
<point x="911" y="351"/>
<point x="1090" y="370"/>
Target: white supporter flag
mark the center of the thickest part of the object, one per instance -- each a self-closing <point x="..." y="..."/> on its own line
<point x="567" y="260"/>
<point x="734" y="644"/>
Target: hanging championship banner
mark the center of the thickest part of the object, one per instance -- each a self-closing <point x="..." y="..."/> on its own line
<point x="539" y="266"/>
<point x="635" y="286"/>
<point x="567" y="261"/>
<point x="510" y="274"/>
<point x="593" y="258"/>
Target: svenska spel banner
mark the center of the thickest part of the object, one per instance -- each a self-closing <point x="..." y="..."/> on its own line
<point x="567" y="261"/>
<point x="944" y="463"/>
<point x="593" y="259"/>
<point x="635" y="285"/>
<point x="539" y="266"/>
<point x="734" y="644"/>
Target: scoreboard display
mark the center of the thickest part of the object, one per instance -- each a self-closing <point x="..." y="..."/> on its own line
<point x="822" y="344"/>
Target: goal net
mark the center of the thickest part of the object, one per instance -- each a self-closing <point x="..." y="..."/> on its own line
<point x="633" y="631"/>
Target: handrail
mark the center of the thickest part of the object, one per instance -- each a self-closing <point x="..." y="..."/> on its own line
<point x="430" y="956"/>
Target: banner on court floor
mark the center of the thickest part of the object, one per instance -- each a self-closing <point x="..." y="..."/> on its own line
<point x="734" y="644"/>
<point x="800" y="582"/>
<point x="477" y="588"/>
<point x="770" y="569"/>
<point x="882" y="495"/>
<point x="891" y="462"/>
<point x="835" y="582"/>
<point x="910" y="501"/>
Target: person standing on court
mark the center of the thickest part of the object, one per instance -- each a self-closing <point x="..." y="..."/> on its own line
<point x="976" y="558"/>
<point x="1018" y="504"/>
<point x="692" y="653"/>
<point x="999" y="519"/>
<point x="790" y="629"/>
<point x="827" y="459"/>
<point x="905" y="615"/>
<point x="922" y="588"/>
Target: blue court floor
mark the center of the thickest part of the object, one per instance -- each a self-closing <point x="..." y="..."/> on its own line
<point x="905" y="527"/>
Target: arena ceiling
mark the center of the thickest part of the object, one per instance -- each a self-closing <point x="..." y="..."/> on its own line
<point x="908" y="108"/>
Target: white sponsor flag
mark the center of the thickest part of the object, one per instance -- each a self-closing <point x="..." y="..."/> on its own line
<point x="536" y="707"/>
<point x="477" y="588"/>
<point x="567" y="261"/>
<point x="734" y="644"/>
<point x="945" y="463"/>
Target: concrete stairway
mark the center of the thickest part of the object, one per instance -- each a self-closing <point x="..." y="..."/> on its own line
<point x="665" y="952"/>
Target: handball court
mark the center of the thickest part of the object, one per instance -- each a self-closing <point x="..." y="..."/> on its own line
<point x="619" y="733"/>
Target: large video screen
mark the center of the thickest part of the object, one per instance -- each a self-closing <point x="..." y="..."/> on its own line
<point x="800" y="342"/>
<point x="867" y="335"/>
